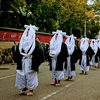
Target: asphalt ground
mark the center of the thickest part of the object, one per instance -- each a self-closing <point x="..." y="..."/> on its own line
<point x="83" y="87"/>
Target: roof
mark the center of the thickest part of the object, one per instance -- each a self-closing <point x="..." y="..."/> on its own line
<point x="21" y="30"/>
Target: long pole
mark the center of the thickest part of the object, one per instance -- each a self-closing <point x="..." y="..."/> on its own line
<point x="85" y="29"/>
<point x="71" y="30"/>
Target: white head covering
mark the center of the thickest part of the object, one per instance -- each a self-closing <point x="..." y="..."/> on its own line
<point x="70" y="42"/>
<point x="98" y="43"/>
<point x="55" y="44"/>
<point x="84" y="44"/>
<point x="27" y="42"/>
<point x="94" y="45"/>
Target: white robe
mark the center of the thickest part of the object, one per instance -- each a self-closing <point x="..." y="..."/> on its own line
<point x="70" y="43"/>
<point x="83" y="65"/>
<point x="68" y="72"/>
<point x="26" y="75"/>
<point x="95" y="49"/>
<point x="59" y="75"/>
<point x="55" y="48"/>
<point x="84" y="46"/>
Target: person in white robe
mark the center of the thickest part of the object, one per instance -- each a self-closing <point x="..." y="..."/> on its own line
<point x="69" y="70"/>
<point x="85" y="53"/>
<point x="28" y="61"/>
<point x="98" y="45"/>
<point x="58" y="54"/>
<point x="94" y="60"/>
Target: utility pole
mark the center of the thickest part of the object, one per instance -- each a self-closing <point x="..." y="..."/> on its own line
<point x="71" y="30"/>
<point x="57" y="24"/>
<point x="85" y="29"/>
<point x="0" y="8"/>
<point x="99" y="35"/>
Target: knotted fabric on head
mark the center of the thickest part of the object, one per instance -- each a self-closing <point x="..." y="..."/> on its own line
<point x="56" y="43"/>
<point x="84" y="44"/>
<point x="27" y="42"/>
<point x="70" y="42"/>
<point x="93" y="45"/>
<point x="98" y="43"/>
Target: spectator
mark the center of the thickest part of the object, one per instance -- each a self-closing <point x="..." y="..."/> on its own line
<point x="14" y="52"/>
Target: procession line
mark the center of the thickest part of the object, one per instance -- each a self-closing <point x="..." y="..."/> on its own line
<point x="53" y="93"/>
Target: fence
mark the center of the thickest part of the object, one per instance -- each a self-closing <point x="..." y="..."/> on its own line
<point x="11" y="34"/>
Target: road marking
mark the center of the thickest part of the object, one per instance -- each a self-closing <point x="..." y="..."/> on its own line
<point x="67" y="85"/>
<point x="6" y="77"/>
<point x="53" y="93"/>
<point x="49" y="95"/>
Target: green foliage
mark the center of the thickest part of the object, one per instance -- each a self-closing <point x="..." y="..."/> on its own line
<point x="50" y="15"/>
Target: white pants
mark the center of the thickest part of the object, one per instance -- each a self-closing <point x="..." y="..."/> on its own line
<point x="26" y="77"/>
<point x="29" y="80"/>
<point x="59" y="75"/>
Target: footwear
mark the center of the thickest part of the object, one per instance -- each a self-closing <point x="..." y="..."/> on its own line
<point x="86" y="73"/>
<point x="58" y="84"/>
<point x="82" y="72"/>
<point x="25" y="89"/>
<point x="68" y="79"/>
<point x="53" y="83"/>
<point x="22" y="93"/>
<point x="29" y="93"/>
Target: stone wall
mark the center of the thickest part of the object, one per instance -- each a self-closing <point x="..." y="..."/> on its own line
<point x="5" y="52"/>
<point x="6" y="56"/>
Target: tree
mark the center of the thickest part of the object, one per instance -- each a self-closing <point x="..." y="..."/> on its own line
<point x="49" y="15"/>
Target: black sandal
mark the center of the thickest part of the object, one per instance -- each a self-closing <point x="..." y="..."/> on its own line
<point x="23" y="91"/>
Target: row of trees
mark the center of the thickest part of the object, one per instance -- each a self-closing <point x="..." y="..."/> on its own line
<point x="49" y="15"/>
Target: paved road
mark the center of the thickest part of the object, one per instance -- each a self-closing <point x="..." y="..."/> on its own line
<point x="83" y="87"/>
